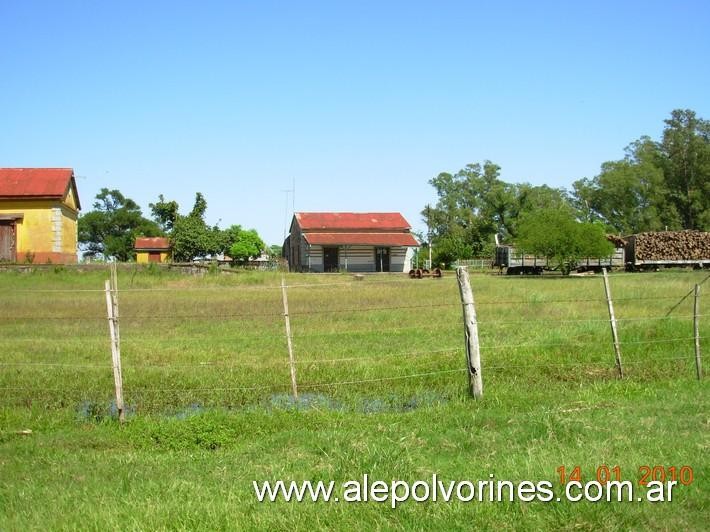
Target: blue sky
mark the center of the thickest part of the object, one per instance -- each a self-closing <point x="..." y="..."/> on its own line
<point x="361" y="103"/>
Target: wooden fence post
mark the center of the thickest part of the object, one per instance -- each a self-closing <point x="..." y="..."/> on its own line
<point x="612" y="321"/>
<point x="696" y="332"/>
<point x="287" y="320"/>
<point x="112" y="310"/>
<point x="114" y="300"/>
<point x="470" y="326"/>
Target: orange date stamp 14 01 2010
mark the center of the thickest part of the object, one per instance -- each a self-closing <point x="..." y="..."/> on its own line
<point x="683" y="474"/>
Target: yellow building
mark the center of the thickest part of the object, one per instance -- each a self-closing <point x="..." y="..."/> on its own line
<point x="39" y="209"/>
<point x="152" y="249"/>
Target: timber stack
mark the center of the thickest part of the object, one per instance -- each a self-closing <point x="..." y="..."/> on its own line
<point x="669" y="246"/>
<point x="617" y="240"/>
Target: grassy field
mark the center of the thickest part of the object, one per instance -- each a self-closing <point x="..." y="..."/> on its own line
<point x="382" y="385"/>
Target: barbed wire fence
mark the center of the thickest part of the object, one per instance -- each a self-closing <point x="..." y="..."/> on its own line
<point x="266" y="357"/>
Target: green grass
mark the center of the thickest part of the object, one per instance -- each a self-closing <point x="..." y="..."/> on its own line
<point x="383" y="392"/>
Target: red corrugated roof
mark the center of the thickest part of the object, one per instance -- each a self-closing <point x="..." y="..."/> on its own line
<point x="154" y="242"/>
<point x="36" y="182"/>
<point x="359" y="221"/>
<point x="362" y="239"/>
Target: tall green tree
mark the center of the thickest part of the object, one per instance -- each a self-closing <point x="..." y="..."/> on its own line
<point x="557" y="235"/>
<point x="165" y="213"/>
<point x="229" y="236"/>
<point x="199" y="208"/>
<point x="529" y="198"/>
<point x="460" y="222"/>
<point x="658" y="185"/>
<point x="629" y="195"/>
<point x="474" y="204"/>
<point x="685" y="160"/>
<point x="247" y="245"/>
<point x="190" y="236"/>
<point x="111" y="228"/>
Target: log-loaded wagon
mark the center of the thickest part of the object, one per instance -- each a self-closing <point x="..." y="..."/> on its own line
<point x="642" y="251"/>
<point x="652" y="250"/>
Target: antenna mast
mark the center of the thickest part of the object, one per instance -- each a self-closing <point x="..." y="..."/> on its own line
<point x="292" y="191"/>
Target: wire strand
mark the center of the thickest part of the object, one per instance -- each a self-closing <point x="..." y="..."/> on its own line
<point x="381" y="379"/>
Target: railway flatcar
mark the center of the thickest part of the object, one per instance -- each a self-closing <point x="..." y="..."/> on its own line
<point x="642" y="251"/>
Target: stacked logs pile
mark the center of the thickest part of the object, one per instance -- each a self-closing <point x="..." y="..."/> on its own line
<point x="618" y="241"/>
<point x="672" y="245"/>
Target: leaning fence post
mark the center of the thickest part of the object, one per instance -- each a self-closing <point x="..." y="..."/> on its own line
<point x="612" y="321"/>
<point x="470" y="325"/>
<point x="112" y="310"/>
<point x="696" y="332"/>
<point x="287" y="320"/>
